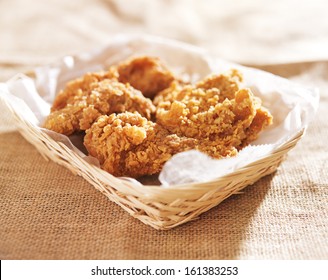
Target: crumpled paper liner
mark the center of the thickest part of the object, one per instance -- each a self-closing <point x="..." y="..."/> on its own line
<point x="292" y="106"/>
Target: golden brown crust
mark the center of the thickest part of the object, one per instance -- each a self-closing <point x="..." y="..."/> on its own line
<point x="147" y="74"/>
<point x="84" y="100"/>
<point x="127" y="144"/>
<point x="215" y="109"/>
<point x="117" y="90"/>
<point x="215" y="116"/>
<point x="227" y="83"/>
<point x="79" y="87"/>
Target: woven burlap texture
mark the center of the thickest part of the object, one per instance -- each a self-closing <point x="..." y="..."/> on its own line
<point x="46" y="212"/>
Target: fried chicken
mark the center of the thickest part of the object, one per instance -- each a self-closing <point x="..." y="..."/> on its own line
<point x="127" y="144"/>
<point x="214" y="109"/>
<point x="215" y="116"/>
<point x="85" y="99"/>
<point x="147" y="74"/>
<point x="227" y="84"/>
<point x="81" y="86"/>
<point x="124" y="87"/>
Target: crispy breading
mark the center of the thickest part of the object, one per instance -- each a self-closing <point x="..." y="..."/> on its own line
<point x="147" y="74"/>
<point x="226" y="85"/>
<point x="127" y="144"/>
<point x="169" y="94"/>
<point x="215" y="116"/>
<point x="80" y="86"/>
<point x="84" y="99"/>
<point x="214" y="109"/>
<point x="87" y="98"/>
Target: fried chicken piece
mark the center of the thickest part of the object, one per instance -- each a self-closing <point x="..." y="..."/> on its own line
<point x="85" y="99"/>
<point x="214" y="116"/>
<point x="226" y="85"/>
<point x="199" y="114"/>
<point x="147" y="74"/>
<point x="262" y="119"/>
<point x="121" y="88"/>
<point x="214" y="108"/>
<point x="144" y="73"/>
<point x="127" y="144"/>
<point x="81" y="86"/>
<point x="168" y="95"/>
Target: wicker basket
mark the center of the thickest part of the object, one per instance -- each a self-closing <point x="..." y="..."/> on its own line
<point x="161" y="208"/>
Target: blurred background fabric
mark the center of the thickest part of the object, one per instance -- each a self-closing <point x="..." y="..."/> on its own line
<point x="48" y="213"/>
<point x="250" y="31"/>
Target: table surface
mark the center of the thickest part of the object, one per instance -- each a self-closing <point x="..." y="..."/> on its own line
<point x="48" y="213"/>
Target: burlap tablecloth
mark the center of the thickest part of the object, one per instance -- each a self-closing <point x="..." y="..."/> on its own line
<point x="48" y="213"/>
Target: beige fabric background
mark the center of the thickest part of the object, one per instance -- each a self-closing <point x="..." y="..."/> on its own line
<point x="48" y="213"/>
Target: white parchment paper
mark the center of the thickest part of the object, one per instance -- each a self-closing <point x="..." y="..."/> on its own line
<point x="292" y="106"/>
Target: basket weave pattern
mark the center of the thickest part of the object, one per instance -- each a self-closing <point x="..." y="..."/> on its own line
<point x="161" y="208"/>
